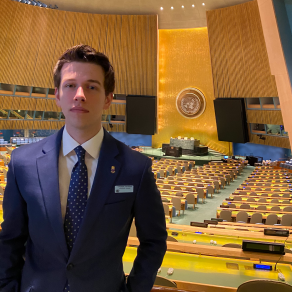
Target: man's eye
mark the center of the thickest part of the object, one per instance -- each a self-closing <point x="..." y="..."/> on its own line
<point x="69" y="85"/>
<point x="92" y="87"/>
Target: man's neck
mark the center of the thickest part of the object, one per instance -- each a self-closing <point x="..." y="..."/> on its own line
<point x="81" y="136"/>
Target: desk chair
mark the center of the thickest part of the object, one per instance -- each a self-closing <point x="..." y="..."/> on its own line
<point x="264" y="285"/>
<point x="286" y="219"/>
<point x="242" y="216"/>
<point x="261" y="208"/>
<point x="256" y="218"/>
<point x="250" y="200"/>
<point x="191" y="199"/>
<point x="210" y="190"/>
<point x="177" y="204"/>
<point x="272" y="219"/>
<point x="226" y="215"/>
<point x="170" y="238"/>
<point x="200" y="194"/>
<point x="161" y="281"/>
<point x="232" y="206"/>
<point x="244" y="206"/>
<point x="237" y="198"/>
<point x="217" y="186"/>
<point x="275" y="208"/>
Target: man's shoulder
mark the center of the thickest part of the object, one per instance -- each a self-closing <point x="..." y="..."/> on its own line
<point x="32" y="149"/>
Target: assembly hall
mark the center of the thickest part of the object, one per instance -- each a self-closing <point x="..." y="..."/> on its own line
<point x="145" y="146"/>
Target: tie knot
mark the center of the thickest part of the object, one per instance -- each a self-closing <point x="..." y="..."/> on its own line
<point x="80" y="151"/>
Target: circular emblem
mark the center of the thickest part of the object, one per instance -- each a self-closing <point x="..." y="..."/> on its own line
<point x="191" y="103"/>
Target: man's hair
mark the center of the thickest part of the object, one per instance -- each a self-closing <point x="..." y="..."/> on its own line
<point x="86" y="54"/>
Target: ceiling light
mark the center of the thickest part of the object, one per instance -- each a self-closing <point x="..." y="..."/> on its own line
<point x="161" y="8"/>
<point x="171" y="7"/>
<point x="182" y="6"/>
<point x="203" y="4"/>
<point x="193" y="5"/>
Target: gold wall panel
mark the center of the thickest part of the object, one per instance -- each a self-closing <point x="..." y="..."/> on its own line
<point x="239" y="58"/>
<point x="271" y="141"/>
<point x="264" y="117"/>
<point x="32" y="38"/>
<point x="184" y="61"/>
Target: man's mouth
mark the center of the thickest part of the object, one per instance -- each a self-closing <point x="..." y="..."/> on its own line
<point x="79" y="109"/>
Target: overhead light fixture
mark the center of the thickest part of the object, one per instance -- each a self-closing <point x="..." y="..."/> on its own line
<point x="161" y="8"/>
<point x="40" y="4"/>
<point x="182" y="6"/>
<point x="193" y="5"/>
<point x="171" y="7"/>
<point x="203" y="4"/>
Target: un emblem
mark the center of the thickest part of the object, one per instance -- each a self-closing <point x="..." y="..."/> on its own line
<point x="191" y="103"/>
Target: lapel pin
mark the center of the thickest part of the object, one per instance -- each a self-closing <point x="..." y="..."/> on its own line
<point x="113" y="170"/>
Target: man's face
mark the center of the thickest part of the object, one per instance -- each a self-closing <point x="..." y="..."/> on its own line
<point x="82" y="97"/>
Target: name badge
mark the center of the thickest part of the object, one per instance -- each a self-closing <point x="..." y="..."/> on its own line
<point x="124" y="189"/>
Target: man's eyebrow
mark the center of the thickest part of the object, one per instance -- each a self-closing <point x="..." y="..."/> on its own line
<point x="94" y="81"/>
<point x="89" y="80"/>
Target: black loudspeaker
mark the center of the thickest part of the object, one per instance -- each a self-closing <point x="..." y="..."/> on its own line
<point x="141" y="114"/>
<point x="231" y="120"/>
<point x="164" y="146"/>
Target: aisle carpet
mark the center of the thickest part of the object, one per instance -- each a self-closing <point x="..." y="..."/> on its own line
<point x="208" y="209"/>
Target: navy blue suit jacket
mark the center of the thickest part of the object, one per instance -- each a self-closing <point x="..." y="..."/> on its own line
<point x="33" y="223"/>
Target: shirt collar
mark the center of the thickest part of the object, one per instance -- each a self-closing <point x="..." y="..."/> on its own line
<point x="92" y="146"/>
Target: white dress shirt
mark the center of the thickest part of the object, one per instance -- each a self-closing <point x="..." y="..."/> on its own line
<point x="68" y="158"/>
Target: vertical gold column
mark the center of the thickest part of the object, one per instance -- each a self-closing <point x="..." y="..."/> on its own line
<point x="184" y="62"/>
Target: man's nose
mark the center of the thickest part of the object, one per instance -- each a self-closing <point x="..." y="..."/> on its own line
<point x="80" y="96"/>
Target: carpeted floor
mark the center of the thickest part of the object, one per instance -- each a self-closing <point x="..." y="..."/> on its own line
<point x="208" y="209"/>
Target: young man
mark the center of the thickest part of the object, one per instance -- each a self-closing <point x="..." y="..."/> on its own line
<point x="71" y="198"/>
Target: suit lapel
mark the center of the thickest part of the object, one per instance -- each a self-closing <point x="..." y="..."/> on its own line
<point x="47" y="166"/>
<point x="106" y="173"/>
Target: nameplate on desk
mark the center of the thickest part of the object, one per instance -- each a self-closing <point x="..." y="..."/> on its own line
<point x="124" y="189"/>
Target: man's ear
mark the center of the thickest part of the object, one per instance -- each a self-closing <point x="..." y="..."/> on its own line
<point x="108" y="100"/>
<point x="57" y="97"/>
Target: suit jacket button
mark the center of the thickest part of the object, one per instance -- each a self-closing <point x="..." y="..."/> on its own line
<point x="70" y="267"/>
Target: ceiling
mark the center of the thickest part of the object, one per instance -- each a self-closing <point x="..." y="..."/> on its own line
<point x="178" y="17"/>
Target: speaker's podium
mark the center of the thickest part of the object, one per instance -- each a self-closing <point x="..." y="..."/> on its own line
<point x="173" y="151"/>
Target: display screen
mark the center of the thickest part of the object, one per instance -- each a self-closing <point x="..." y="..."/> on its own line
<point x="262" y="267"/>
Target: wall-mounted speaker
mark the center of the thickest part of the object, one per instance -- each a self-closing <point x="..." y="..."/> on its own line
<point x="231" y="120"/>
<point x="141" y="114"/>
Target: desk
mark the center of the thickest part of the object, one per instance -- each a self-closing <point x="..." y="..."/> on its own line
<point x="270" y="194"/>
<point x="190" y="269"/>
<point x="265" y="213"/>
<point x="267" y="184"/>
<point x="203" y="236"/>
<point x="267" y="189"/>
<point x="161" y="189"/>
<point x="184" y="144"/>
<point x="266" y="180"/>
<point x="183" y="187"/>
<point x="254" y="205"/>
